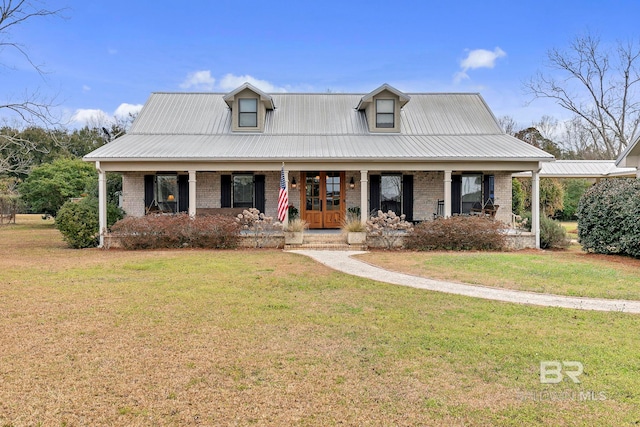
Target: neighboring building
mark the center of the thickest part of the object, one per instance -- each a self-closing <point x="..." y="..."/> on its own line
<point x="630" y="157"/>
<point x="415" y="154"/>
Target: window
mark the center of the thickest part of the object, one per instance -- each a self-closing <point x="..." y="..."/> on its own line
<point x="243" y="191"/>
<point x="167" y="192"/>
<point x="471" y="193"/>
<point x="391" y="193"/>
<point x="385" y="113"/>
<point x="248" y="112"/>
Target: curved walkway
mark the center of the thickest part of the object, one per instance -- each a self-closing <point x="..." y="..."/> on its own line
<point x="343" y="261"/>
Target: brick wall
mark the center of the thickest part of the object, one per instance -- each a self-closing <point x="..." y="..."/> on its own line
<point x="503" y="196"/>
<point x="133" y="193"/>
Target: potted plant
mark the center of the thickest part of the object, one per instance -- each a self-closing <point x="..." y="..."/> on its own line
<point x="294" y="232"/>
<point x="355" y="230"/>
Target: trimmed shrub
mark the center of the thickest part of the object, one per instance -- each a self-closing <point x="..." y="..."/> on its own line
<point x="457" y="233"/>
<point x="176" y="231"/>
<point x="552" y="234"/>
<point x="79" y="224"/>
<point x="609" y="218"/>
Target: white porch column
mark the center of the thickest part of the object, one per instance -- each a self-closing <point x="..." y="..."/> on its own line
<point x="447" y="194"/>
<point x="535" y="205"/>
<point x="364" y="199"/>
<point x="285" y="223"/>
<point x="102" y="203"/>
<point x="192" y="194"/>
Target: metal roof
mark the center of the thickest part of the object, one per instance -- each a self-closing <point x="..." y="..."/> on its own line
<point x="316" y="126"/>
<point x="582" y="169"/>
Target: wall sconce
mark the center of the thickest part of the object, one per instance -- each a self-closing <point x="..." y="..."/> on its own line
<point x="171" y="198"/>
<point x="352" y="184"/>
<point x="294" y="184"/>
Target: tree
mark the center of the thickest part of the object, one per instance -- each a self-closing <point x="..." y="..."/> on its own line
<point x="533" y="136"/>
<point x="51" y="184"/>
<point x="598" y="85"/>
<point x="33" y="109"/>
<point x="551" y="195"/>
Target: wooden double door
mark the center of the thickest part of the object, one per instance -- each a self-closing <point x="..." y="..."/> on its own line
<point x="323" y="199"/>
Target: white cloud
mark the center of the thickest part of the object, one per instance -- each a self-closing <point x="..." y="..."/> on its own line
<point x="478" y="58"/>
<point x="97" y="118"/>
<point x="201" y="80"/>
<point x="124" y="110"/>
<point x="90" y="117"/>
<point x="230" y="82"/>
<point x="86" y="88"/>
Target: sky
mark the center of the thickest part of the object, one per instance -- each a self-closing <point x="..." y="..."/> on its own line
<point x="102" y="59"/>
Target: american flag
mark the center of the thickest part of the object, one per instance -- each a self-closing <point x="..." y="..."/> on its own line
<point x="283" y="198"/>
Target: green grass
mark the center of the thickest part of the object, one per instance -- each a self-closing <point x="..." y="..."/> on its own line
<point x="269" y="338"/>
<point x="569" y="272"/>
<point x="572" y="229"/>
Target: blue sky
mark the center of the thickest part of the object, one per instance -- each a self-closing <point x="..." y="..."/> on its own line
<point x="106" y="57"/>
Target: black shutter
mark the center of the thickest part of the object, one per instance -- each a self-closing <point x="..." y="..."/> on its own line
<point x="149" y="197"/>
<point x="260" y="197"/>
<point x="456" y="193"/>
<point x="225" y="191"/>
<point x="407" y="197"/>
<point x="183" y="193"/>
<point x="488" y="188"/>
<point x="374" y="194"/>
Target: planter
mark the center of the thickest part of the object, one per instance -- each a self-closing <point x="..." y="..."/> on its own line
<point x="293" y="237"/>
<point x="356" y="237"/>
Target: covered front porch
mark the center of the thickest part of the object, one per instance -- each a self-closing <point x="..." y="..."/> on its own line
<point x="322" y="193"/>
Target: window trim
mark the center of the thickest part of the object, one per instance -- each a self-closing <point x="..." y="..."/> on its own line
<point x="392" y="114"/>
<point x="400" y="191"/>
<point x="233" y="190"/>
<point x="242" y="114"/>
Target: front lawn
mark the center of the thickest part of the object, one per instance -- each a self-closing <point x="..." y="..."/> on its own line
<point x="571" y="272"/>
<point x="261" y="337"/>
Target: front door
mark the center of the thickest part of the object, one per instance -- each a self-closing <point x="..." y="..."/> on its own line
<point x="322" y="198"/>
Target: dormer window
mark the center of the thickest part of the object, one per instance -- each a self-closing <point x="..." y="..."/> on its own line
<point x="382" y="109"/>
<point x="248" y="112"/>
<point x="385" y="113"/>
<point x="248" y="106"/>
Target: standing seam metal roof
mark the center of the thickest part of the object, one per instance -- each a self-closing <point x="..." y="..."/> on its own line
<point x="316" y="126"/>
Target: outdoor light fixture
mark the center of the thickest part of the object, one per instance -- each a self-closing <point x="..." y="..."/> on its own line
<point x="294" y="184"/>
<point x="171" y="198"/>
<point x="352" y="184"/>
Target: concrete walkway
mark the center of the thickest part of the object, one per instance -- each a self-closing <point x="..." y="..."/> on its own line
<point x="343" y="261"/>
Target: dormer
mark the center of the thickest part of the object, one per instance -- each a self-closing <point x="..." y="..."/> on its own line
<point x="249" y="107"/>
<point x="382" y="108"/>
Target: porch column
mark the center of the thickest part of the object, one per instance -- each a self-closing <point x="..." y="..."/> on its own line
<point x="447" y="194"/>
<point x="192" y="194"/>
<point x="364" y="199"/>
<point x="102" y="203"/>
<point x="535" y="205"/>
<point x="285" y="223"/>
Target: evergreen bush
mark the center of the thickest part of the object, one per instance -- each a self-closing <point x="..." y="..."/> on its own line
<point x="609" y="218"/>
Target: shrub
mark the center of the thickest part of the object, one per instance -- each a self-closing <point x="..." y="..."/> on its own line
<point x="552" y="234"/>
<point x="175" y="231"/>
<point x="457" y="233"/>
<point x="609" y="217"/>
<point x="79" y="224"/>
<point x="388" y="228"/>
<point x="297" y="225"/>
<point x="258" y="225"/>
<point x="352" y="222"/>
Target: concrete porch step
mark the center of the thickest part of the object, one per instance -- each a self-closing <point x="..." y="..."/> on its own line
<point x="325" y="246"/>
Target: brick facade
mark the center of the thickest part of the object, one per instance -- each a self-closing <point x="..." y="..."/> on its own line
<point x="428" y="188"/>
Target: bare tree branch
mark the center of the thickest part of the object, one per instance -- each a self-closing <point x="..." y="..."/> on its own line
<point x="598" y="85"/>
